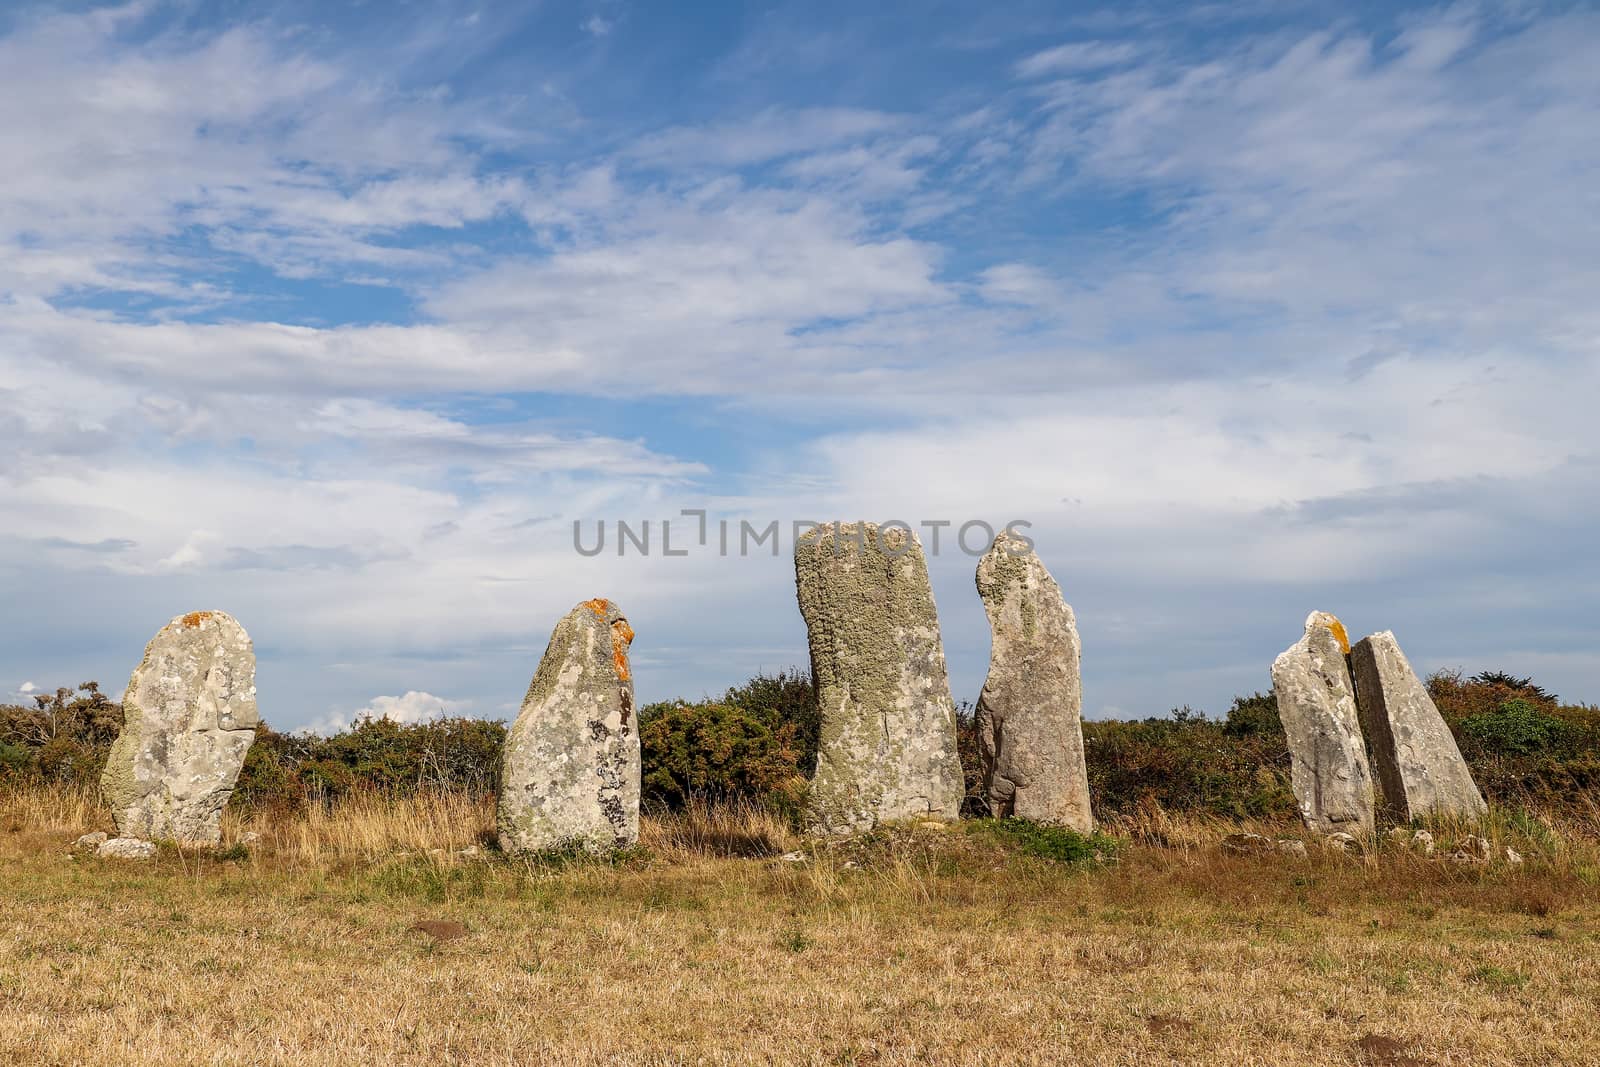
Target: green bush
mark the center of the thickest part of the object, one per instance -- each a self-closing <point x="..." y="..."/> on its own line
<point x="759" y="742"/>
<point x="1187" y="763"/>
<point x="374" y="754"/>
<point x="1254" y="716"/>
<point x="720" y="751"/>
<point x="15" y="760"/>
<point x="64" y="738"/>
<point x="1516" y="728"/>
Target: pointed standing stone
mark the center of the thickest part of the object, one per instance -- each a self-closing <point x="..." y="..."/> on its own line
<point x="188" y="718"/>
<point x="888" y="746"/>
<point x="570" y="771"/>
<point x="1317" y="702"/>
<point x="1029" y="715"/>
<point x="1413" y="751"/>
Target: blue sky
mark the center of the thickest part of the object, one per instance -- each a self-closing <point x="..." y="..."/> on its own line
<point x="338" y="321"/>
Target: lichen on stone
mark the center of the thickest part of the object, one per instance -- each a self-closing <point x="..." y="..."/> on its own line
<point x="570" y="768"/>
<point x="887" y="744"/>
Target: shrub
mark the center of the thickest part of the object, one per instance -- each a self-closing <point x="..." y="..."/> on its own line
<point x="1517" y="727"/>
<point x="1187" y="762"/>
<point x="784" y="699"/>
<point x="1254" y="716"/>
<point x="719" y="751"/>
<point x="375" y="754"/>
<point x="64" y="738"/>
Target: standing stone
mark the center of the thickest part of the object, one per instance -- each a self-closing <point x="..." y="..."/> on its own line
<point x="1317" y="702"/>
<point x="188" y="718"/>
<point x="1029" y="716"/>
<point x="888" y="745"/>
<point x="1416" y="758"/>
<point x="570" y="772"/>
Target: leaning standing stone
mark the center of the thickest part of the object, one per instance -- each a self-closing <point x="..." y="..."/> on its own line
<point x="888" y="746"/>
<point x="189" y="717"/>
<point x="1317" y="702"/>
<point x="1029" y="715"/>
<point x="570" y="772"/>
<point x="1413" y="751"/>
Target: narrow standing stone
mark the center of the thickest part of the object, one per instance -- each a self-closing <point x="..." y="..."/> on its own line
<point x="1317" y="702"/>
<point x="1418" y="764"/>
<point x="888" y="746"/>
<point x="570" y="771"/>
<point x="188" y="718"/>
<point x="1030" y="713"/>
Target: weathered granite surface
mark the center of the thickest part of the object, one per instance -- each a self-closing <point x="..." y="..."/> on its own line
<point x="888" y="744"/>
<point x="570" y="771"/>
<point x="1030" y="712"/>
<point x="189" y="717"/>
<point x="1328" y="759"/>
<point x="1414" y="754"/>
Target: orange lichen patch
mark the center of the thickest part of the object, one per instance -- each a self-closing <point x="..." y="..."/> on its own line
<point x="1337" y="629"/>
<point x="194" y="619"/>
<point x="621" y="638"/>
<point x="599" y="605"/>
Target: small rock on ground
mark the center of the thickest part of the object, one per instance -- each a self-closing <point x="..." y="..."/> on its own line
<point x="126" y="848"/>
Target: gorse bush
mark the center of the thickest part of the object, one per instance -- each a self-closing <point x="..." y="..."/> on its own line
<point x="1515" y="728"/>
<point x="1187" y="762"/>
<point x="452" y="754"/>
<point x="63" y="738"/>
<point x="757" y="744"/>
<point x="718" y="751"/>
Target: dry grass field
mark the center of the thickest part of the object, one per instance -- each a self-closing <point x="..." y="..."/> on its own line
<point x="920" y="946"/>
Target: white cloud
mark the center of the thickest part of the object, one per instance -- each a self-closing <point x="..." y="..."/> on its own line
<point x="772" y="134"/>
<point x="1076" y="56"/>
<point x="412" y="707"/>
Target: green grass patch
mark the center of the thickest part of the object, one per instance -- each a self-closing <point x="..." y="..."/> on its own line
<point x="1055" y="843"/>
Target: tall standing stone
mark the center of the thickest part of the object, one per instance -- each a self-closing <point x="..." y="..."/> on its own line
<point x="570" y="772"/>
<point x="888" y="744"/>
<point x="1029" y="715"/>
<point x="1418" y="764"/>
<point x="189" y="717"/>
<point x="1317" y="702"/>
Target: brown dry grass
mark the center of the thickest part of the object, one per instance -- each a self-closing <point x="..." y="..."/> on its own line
<point x="707" y="947"/>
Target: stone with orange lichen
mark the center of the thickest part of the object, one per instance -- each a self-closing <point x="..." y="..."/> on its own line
<point x="570" y="770"/>
<point x="189" y="717"/>
<point x="1329" y="771"/>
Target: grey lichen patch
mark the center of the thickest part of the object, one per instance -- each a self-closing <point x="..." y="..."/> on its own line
<point x="1329" y="771"/>
<point x="189" y="717"/>
<point x="888" y="743"/>
<point x="1030" y="712"/>
<point x="570" y="770"/>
